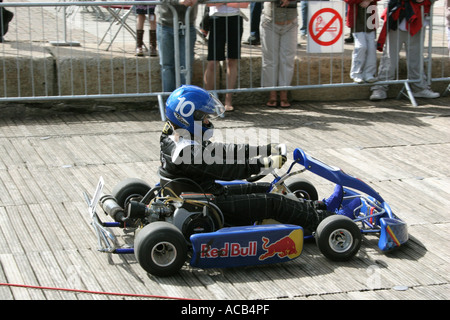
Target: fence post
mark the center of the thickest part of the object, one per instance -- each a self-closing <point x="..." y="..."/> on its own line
<point x="65" y="42"/>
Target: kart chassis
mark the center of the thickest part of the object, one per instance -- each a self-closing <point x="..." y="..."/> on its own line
<point x="338" y="238"/>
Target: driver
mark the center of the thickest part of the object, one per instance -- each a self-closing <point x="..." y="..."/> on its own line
<point x="186" y="151"/>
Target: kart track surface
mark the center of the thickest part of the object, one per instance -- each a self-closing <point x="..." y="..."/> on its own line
<point x="48" y="249"/>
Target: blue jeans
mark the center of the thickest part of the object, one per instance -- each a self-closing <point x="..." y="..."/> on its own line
<point x="167" y="55"/>
<point x="304" y="27"/>
<point x="255" y="18"/>
<point x="304" y="8"/>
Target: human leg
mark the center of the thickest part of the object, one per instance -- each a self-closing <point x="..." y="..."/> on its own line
<point x="370" y="67"/>
<point x="247" y="188"/>
<point x="287" y="53"/>
<point x="235" y="30"/>
<point x="211" y="72"/>
<point x="284" y="59"/>
<point x="140" y="20"/>
<point x="232" y="66"/>
<point x="304" y="27"/>
<point x="416" y="68"/>
<point x="272" y="102"/>
<point x="358" y="57"/>
<point x="270" y="52"/>
<point x="166" y="58"/>
<point x="284" y="100"/>
<point x="246" y="209"/>
<point x="255" y="18"/>
<point x="152" y="32"/>
<point x="388" y="64"/>
<point x="216" y="52"/>
<point x="267" y="74"/>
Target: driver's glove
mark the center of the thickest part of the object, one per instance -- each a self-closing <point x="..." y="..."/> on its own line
<point x="276" y="161"/>
<point x="275" y="148"/>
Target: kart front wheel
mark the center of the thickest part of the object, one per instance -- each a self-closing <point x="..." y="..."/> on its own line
<point x="338" y="238"/>
<point x="302" y="189"/>
<point x="131" y="188"/>
<point x="160" y="248"/>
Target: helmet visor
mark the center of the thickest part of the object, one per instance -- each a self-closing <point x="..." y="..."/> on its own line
<point x="219" y="108"/>
<point x="213" y="109"/>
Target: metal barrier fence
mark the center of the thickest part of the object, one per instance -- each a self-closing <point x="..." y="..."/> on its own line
<point x="86" y="49"/>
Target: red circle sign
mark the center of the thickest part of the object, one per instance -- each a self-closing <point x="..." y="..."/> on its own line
<point x="325" y="26"/>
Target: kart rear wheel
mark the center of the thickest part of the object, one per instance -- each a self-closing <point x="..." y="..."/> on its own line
<point x="338" y="238"/>
<point x="131" y="188"/>
<point x="160" y="249"/>
<point x="302" y="189"/>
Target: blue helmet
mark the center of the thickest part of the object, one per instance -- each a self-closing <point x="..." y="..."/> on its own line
<point x="189" y="105"/>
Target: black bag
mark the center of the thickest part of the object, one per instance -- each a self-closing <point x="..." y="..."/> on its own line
<point x="6" y="17"/>
<point x="204" y="23"/>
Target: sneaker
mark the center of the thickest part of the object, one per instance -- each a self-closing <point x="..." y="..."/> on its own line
<point x="153" y="51"/>
<point x="253" y="41"/>
<point x="371" y="80"/>
<point x="358" y="80"/>
<point x="378" y="95"/>
<point x="139" y="52"/>
<point x="334" y="201"/>
<point x="426" y="93"/>
<point x="350" y="39"/>
<point x="349" y="209"/>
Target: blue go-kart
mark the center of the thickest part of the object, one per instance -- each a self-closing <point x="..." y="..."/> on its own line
<point x="173" y="225"/>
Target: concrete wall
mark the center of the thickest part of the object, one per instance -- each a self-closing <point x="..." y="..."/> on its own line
<point x="48" y="71"/>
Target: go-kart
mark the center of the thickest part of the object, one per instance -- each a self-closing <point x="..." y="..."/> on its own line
<point x="173" y="225"/>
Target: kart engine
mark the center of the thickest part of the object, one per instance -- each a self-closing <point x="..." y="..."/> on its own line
<point x="191" y="214"/>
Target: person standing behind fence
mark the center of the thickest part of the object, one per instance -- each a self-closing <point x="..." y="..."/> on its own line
<point x="165" y="34"/>
<point x="279" y="30"/>
<point x="142" y="11"/>
<point x="255" y="19"/>
<point x="226" y="28"/>
<point x="447" y="23"/>
<point x="5" y="18"/>
<point x="403" y="18"/>
<point x="362" y="19"/>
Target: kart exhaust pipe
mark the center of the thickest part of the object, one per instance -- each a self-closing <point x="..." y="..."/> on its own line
<point x="110" y="206"/>
<point x="134" y="209"/>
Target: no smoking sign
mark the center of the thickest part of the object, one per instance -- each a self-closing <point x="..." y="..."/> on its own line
<point x="325" y="27"/>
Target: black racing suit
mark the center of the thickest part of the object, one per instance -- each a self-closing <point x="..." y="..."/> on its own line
<point x="241" y="204"/>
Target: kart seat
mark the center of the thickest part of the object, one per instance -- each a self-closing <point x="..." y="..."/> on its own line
<point x="177" y="184"/>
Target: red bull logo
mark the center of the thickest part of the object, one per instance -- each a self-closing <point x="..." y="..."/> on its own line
<point x="229" y="250"/>
<point x="289" y="246"/>
<point x="246" y="245"/>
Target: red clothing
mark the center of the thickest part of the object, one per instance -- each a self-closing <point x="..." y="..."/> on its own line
<point x="399" y="9"/>
<point x="353" y="6"/>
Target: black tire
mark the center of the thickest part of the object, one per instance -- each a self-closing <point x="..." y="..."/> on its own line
<point x="302" y="189"/>
<point x="130" y="188"/>
<point x="160" y="249"/>
<point x="338" y="238"/>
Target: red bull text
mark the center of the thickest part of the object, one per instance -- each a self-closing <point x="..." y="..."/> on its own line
<point x="229" y="250"/>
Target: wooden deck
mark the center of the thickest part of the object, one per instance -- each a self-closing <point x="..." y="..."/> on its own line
<point x="49" y="159"/>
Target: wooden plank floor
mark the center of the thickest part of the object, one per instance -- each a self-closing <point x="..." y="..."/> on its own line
<point x="47" y="161"/>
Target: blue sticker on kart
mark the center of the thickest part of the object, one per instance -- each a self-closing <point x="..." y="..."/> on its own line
<point x="250" y="245"/>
